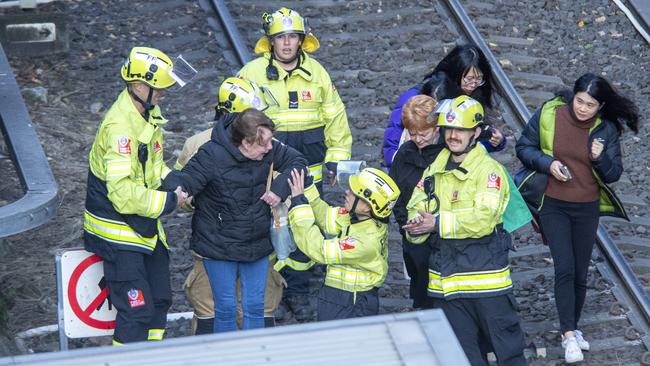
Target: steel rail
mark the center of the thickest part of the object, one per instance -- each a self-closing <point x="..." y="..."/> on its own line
<point x="514" y="100"/>
<point x="41" y="201"/>
<point x="238" y="44"/>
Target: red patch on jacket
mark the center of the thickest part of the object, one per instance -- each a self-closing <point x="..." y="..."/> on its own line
<point x="347" y="243"/>
<point x="454" y="196"/>
<point x="136" y="299"/>
<point x="343" y="211"/>
<point x="494" y="181"/>
<point x="306" y="95"/>
<point x="124" y="145"/>
<point x="157" y="147"/>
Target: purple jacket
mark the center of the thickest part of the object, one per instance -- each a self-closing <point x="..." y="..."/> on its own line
<point x="393" y="131"/>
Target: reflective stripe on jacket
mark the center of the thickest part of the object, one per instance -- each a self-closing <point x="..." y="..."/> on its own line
<point x="357" y="258"/>
<point x="471" y="251"/>
<point x="306" y="100"/>
<point x="122" y="201"/>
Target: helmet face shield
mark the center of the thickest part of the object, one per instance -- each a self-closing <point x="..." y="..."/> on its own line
<point x="237" y="95"/>
<point x="377" y="189"/>
<point x="345" y="169"/>
<point x="182" y="72"/>
<point x="464" y="113"/>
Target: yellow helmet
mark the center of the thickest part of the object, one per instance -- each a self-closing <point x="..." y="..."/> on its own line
<point x="282" y="22"/>
<point x="377" y="189"/>
<point x="236" y="95"/>
<point x="149" y="66"/>
<point x="464" y="113"/>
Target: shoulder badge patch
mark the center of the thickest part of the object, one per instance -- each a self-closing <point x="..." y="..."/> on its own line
<point x="343" y="211"/>
<point x="157" y="147"/>
<point x="494" y="181"/>
<point x="347" y="243"/>
<point x="124" y="145"/>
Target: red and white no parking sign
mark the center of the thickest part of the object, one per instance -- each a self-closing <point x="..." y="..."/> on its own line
<point x="86" y="309"/>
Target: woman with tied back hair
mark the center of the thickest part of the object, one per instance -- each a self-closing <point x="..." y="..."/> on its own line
<point x="574" y="140"/>
<point x="469" y="73"/>
<point x="230" y="226"/>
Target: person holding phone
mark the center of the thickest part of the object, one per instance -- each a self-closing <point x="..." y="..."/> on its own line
<point x="574" y="138"/>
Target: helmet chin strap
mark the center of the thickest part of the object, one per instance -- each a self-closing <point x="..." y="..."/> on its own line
<point x="145" y="104"/>
<point x="467" y="148"/>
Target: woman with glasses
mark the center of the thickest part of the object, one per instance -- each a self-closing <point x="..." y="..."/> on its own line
<point x="573" y="140"/>
<point x="468" y="68"/>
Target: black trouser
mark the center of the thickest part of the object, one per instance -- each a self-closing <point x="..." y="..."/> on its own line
<point x="310" y="143"/>
<point x="416" y="260"/>
<point x="140" y="290"/>
<point x="570" y="228"/>
<point x="487" y="323"/>
<point x="334" y="303"/>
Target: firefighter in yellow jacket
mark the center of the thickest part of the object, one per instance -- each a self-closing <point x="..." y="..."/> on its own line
<point x="235" y="95"/>
<point x="357" y="255"/>
<point x="123" y="205"/>
<point x="463" y="206"/>
<point x="311" y="117"/>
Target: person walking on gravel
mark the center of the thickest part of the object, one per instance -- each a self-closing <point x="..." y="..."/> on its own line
<point x="124" y="203"/>
<point x="357" y="254"/>
<point x="231" y="223"/>
<point x="464" y="205"/>
<point x="310" y="118"/>
<point x="573" y="141"/>
<point x="235" y="96"/>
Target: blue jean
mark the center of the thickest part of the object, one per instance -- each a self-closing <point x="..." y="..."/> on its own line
<point x="223" y="279"/>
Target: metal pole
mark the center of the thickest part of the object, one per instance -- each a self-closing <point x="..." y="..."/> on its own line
<point x="63" y="338"/>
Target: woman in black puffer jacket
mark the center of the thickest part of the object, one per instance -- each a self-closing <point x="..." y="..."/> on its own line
<point x="232" y="218"/>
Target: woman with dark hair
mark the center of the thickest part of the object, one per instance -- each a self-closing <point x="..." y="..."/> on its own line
<point x="231" y="222"/>
<point x="574" y="140"/>
<point x="468" y="73"/>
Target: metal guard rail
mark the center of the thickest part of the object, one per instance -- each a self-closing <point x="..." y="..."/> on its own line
<point x="231" y="31"/>
<point x="40" y="202"/>
<point x="605" y="243"/>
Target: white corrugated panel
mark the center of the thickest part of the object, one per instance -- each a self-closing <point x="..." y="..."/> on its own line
<point x="419" y="338"/>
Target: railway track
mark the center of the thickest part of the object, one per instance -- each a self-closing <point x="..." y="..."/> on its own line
<point x="376" y="51"/>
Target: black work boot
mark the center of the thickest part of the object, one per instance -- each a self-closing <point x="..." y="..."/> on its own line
<point x="300" y="307"/>
<point x="269" y="322"/>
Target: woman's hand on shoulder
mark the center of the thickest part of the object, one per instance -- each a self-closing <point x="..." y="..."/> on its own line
<point x="297" y="182"/>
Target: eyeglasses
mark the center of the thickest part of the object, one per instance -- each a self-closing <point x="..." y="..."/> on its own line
<point x="474" y="81"/>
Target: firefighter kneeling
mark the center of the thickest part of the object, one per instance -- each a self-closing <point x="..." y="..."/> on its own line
<point x="469" y="269"/>
<point x="357" y="257"/>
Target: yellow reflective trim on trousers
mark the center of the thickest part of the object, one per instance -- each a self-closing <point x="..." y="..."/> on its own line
<point x="332" y="251"/>
<point x="311" y="193"/>
<point x="116" y="343"/>
<point x="156" y="334"/>
<point x="300" y="213"/>
<point x="116" y="231"/>
<point x="316" y="171"/>
<point x="477" y="282"/>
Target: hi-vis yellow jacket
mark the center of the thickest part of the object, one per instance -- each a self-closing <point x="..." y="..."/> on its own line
<point x="470" y="257"/>
<point x="307" y="100"/>
<point x="122" y="204"/>
<point x="357" y="258"/>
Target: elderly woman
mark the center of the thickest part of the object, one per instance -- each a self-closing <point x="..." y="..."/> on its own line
<point x="231" y="222"/>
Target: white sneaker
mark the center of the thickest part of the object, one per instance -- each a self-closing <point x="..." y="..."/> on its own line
<point x="572" y="352"/>
<point x="584" y="345"/>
